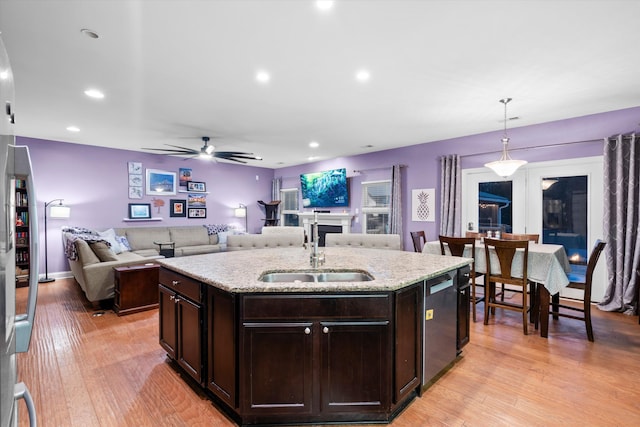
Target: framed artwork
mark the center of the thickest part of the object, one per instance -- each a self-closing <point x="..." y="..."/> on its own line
<point x="139" y="210"/>
<point x="184" y="175"/>
<point x="423" y="205"/>
<point x="178" y="208"/>
<point x="197" y="213"/>
<point x="196" y="186"/>
<point x="197" y="200"/>
<point x="135" y="192"/>
<point x="135" y="168"/>
<point x="161" y="183"/>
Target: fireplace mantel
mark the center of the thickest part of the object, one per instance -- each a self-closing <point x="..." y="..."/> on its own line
<point x="341" y="219"/>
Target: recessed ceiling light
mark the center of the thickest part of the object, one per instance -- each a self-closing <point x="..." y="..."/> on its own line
<point x="324" y="4"/>
<point x="310" y="158"/>
<point x="94" y="93"/>
<point x="89" y="33"/>
<point x="363" y="75"/>
<point x="262" y="76"/>
<point x="314" y="144"/>
<point x="73" y="128"/>
<point x="4" y="74"/>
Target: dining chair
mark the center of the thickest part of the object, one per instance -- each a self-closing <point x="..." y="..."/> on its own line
<point x="535" y="238"/>
<point x="580" y="281"/>
<point x="456" y="248"/>
<point x="505" y="250"/>
<point x="476" y="235"/>
<point x="419" y="238"/>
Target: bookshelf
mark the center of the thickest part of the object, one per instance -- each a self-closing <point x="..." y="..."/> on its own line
<point x="22" y="233"/>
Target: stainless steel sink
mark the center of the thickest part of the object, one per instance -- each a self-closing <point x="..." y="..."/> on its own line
<point x="316" y="276"/>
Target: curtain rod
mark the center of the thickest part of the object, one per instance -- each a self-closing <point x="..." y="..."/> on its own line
<point x="560" y="144"/>
<point x="376" y="169"/>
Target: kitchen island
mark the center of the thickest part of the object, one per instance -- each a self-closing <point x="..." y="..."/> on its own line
<point x="301" y="351"/>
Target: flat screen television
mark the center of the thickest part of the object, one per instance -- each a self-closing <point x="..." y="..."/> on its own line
<point x="324" y="189"/>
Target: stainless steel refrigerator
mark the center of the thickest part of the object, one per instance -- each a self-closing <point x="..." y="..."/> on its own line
<point x="15" y="329"/>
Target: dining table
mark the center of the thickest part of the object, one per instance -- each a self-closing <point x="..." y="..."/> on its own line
<point x="547" y="265"/>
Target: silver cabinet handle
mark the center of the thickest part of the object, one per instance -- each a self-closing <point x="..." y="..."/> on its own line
<point x="307" y="331"/>
<point x="175" y="282"/>
<point x="325" y="330"/>
<point x="171" y="298"/>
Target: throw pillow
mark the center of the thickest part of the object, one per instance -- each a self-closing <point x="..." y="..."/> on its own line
<point x="216" y="228"/>
<point x="222" y="237"/>
<point x="110" y="236"/>
<point x="102" y="251"/>
<point x="124" y="243"/>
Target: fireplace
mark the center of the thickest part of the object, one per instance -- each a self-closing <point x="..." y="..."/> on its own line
<point x="327" y="223"/>
<point x="324" y="229"/>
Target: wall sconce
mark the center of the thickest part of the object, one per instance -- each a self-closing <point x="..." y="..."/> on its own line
<point x="56" y="211"/>
<point x="241" y="212"/>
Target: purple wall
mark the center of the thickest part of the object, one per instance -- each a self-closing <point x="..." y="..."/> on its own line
<point x="93" y="181"/>
<point x="423" y="165"/>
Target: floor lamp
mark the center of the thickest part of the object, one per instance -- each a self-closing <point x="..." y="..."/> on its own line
<point x="56" y="211"/>
<point x="241" y="212"/>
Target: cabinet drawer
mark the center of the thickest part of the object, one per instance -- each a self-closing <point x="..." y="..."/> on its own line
<point x="181" y="284"/>
<point x="344" y="306"/>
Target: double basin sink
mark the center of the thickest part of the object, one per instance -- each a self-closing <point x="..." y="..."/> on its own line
<point x="316" y="276"/>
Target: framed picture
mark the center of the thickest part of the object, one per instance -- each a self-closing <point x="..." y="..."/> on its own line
<point x="197" y="200"/>
<point x="197" y="213"/>
<point x="196" y="186"/>
<point x="178" y="208"/>
<point x="139" y="210"/>
<point x="135" y="168"/>
<point x="161" y="183"/>
<point x="135" y="192"/>
<point x="184" y="175"/>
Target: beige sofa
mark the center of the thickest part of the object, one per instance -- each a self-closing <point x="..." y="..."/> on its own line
<point x="359" y="240"/>
<point x="92" y="262"/>
<point x="271" y="237"/>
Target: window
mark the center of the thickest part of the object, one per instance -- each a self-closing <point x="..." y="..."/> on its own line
<point x="376" y="206"/>
<point x="289" y="211"/>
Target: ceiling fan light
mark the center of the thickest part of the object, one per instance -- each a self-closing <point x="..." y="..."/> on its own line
<point x="205" y="155"/>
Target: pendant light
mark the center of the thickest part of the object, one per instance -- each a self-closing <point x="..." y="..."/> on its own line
<point x="506" y="166"/>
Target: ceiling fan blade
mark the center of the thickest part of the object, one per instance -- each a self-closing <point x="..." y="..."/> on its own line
<point x="166" y="150"/>
<point x="249" y="156"/>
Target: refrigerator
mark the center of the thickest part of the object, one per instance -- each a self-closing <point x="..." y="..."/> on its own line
<point x="15" y="328"/>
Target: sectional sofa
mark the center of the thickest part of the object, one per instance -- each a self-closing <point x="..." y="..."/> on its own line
<point x="93" y="255"/>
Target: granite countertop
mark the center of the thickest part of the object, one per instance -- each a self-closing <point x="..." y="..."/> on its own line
<point x="239" y="271"/>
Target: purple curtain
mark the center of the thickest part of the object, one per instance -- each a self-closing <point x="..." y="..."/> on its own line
<point x="621" y="222"/>
<point x="396" y="203"/>
<point x="450" y="196"/>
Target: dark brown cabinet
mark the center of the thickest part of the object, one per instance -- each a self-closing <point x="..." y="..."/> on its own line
<point x="181" y="321"/>
<point x="464" y="301"/>
<point x="316" y="357"/>
<point x="135" y="288"/>
<point x="221" y="348"/>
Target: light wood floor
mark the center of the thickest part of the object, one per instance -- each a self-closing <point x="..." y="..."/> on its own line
<point x="86" y="370"/>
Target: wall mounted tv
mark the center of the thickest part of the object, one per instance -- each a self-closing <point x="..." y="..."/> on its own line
<point x="324" y="189"/>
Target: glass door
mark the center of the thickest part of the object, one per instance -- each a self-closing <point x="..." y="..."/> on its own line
<point x="560" y="200"/>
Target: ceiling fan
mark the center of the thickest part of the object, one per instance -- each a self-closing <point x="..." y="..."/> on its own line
<point x="207" y="152"/>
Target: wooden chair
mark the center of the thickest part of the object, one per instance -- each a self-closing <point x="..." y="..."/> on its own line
<point x="579" y="281"/>
<point x="535" y="238"/>
<point x="419" y="238"/>
<point x="456" y="247"/>
<point x="476" y="235"/>
<point x="505" y="251"/>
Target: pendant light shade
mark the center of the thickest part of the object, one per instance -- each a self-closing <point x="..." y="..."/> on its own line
<point x="506" y="166"/>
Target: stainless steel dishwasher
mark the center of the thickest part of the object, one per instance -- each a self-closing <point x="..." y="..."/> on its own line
<point x="439" y="325"/>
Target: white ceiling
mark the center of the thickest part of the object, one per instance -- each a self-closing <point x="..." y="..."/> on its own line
<point x="173" y="71"/>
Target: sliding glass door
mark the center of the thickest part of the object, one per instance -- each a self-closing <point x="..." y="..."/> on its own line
<point x="560" y="200"/>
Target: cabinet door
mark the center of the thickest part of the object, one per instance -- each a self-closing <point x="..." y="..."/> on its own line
<point x="221" y="345"/>
<point x="168" y="321"/>
<point x="189" y="337"/>
<point x="355" y="358"/>
<point x="278" y="368"/>
<point x="408" y="341"/>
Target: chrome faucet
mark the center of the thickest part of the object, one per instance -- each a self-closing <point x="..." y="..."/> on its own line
<point x="317" y="257"/>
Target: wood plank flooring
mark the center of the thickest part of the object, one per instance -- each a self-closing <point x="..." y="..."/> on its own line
<point x="87" y="370"/>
